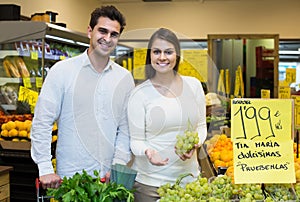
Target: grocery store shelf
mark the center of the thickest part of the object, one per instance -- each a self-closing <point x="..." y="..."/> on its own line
<point x="4" y="53"/>
<point x="5" y="80"/>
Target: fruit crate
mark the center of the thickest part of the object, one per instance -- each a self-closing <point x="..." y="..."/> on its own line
<point x="10" y="145"/>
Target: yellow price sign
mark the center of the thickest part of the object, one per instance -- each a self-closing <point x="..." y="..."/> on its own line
<point x="265" y="93"/>
<point x="290" y="75"/>
<point x="284" y="92"/>
<point x="34" y="55"/>
<point x="38" y="82"/>
<point x="296" y="99"/>
<point x="27" y="95"/>
<point x="139" y="59"/>
<point x="262" y="119"/>
<point x="262" y="135"/>
<point x="27" y="82"/>
<point x="263" y="162"/>
<point x="129" y="64"/>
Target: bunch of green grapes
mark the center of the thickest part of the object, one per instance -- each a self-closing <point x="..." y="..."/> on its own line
<point x="248" y="192"/>
<point x="199" y="189"/>
<point x="221" y="188"/>
<point x="174" y="192"/>
<point x="170" y="193"/>
<point x="280" y="192"/>
<point x="297" y="189"/>
<point x="186" y="142"/>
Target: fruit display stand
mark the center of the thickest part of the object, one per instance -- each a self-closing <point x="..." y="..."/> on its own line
<point x="28" y="49"/>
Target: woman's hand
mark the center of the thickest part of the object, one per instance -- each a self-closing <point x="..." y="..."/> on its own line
<point x="189" y="154"/>
<point x="154" y="158"/>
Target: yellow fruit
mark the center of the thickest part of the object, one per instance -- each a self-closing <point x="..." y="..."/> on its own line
<point x="23" y="133"/>
<point x="1" y="139"/>
<point x="28" y="125"/>
<point x="28" y="135"/>
<point x="13" y="133"/>
<point x="54" y="138"/>
<point x="20" y="125"/>
<point x="24" y="140"/>
<point x="15" y="139"/>
<point x="3" y="126"/>
<point x="298" y="175"/>
<point x="4" y="133"/>
<point x="10" y="125"/>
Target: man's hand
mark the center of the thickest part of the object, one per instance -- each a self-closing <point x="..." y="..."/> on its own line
<point x="155" y="158"/>
<point x="50" y="181"/>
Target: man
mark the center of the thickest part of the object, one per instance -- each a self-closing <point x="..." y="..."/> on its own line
<point x="87" y="96"/>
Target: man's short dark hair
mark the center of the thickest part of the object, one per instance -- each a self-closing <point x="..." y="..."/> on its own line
<point x="110" y="12"/>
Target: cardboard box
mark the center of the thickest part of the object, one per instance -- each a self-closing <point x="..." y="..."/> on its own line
<point x="207" y="169"/>
<point x="11" y="145"/>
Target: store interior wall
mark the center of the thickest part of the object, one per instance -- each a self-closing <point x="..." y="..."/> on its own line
<point x="194" y="19"/>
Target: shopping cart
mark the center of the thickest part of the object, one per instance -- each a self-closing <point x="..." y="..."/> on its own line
<point x="41" y="193"/>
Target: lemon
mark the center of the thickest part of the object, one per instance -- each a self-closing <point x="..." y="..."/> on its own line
<point x="10" y="125"/>
<point x="21" y="125"/>
<point x="13" y="133"/>
<point x="27" y="124"/>
<point x="22" y="133"/>
<point x="4" y="133"/>
<point x="3" y="126"/>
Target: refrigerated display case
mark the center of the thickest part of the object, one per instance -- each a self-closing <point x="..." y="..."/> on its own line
<point x="28" y="49"/>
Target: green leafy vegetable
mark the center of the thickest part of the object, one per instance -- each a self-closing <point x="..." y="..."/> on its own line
<point x="84" y="188"/>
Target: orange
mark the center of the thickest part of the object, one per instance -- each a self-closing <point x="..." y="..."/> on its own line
<point x="219" y="163"/>
<point x="226" y="155"/>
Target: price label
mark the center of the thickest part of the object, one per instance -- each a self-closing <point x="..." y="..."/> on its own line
<point x="262" y="135"/>
<point x="297" y="110"/>
<point x="129" y="64"/>
<point x="38" y="82"/>
<point x="34" y="55"/>
<point x="263" y="161"/>
<point x="290" y="75"/>
<point x="27" y="95"/>
<point x="27" y="82"/>
<point x="139" y="55"/>
<point x="259" y="119"/>
<point x="265" y="93"/>
<point x="284" y="92"/>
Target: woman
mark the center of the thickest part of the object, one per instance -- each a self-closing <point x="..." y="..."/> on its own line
<point x="159" y="109"/>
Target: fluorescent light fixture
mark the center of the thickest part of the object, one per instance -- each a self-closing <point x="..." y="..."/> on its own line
<point x="289" y="52"/>
<point x="82" y="44"/>
<point x="60" y="39"/>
